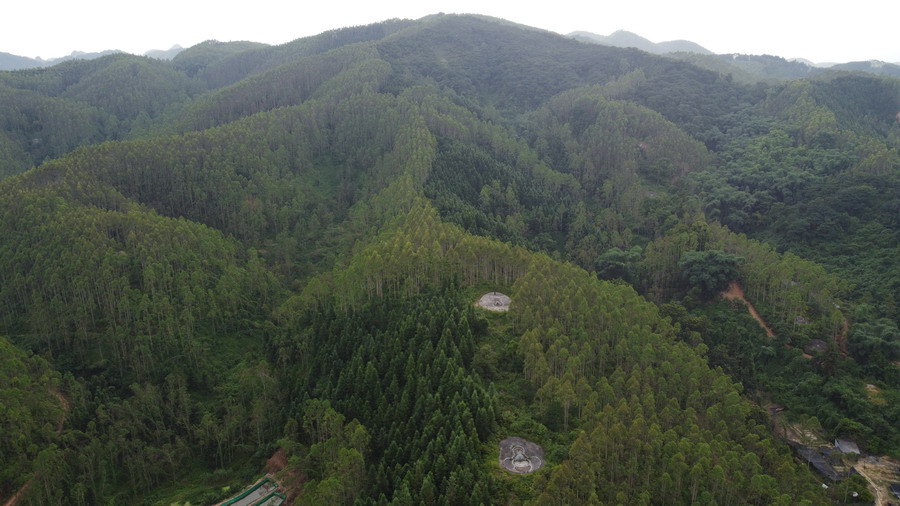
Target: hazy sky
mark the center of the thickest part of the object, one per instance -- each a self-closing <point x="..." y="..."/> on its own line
<point x="858" y="30"/>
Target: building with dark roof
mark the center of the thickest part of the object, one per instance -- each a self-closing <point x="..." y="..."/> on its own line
<point x="895" y="489"/>
<point x="821" y="460"/>
<point x="816" y="346"/>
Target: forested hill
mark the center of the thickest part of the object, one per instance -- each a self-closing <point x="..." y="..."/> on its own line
<point x="258" y="250"/>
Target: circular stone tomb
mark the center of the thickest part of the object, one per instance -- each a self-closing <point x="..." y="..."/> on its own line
<point x="494" y="301"/>
<point x="520" y="456"/>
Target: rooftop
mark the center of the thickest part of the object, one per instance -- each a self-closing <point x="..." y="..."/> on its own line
<point x="846" y="446"/>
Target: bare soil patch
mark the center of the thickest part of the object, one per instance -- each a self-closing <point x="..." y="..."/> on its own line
<point x="18" y="495"/>
<point x="875" y="395"/>
<point x="276" y="462"/>
<point x="65" y="405"/>
<point x="290" y="478"/>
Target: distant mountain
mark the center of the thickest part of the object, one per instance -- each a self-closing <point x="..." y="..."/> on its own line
<point x="622" y="38"/>
<point x="743" y="67"/>
<point x="811" y="63"/>
<point x="770" y="66"/>
<point x="13" y="62"/>
<point x="80" y="55"/>
<point x="749" y="68"/>
<point x="685" y="46"/>
<point x="871" y="67"/>
<point x="165" y="54"/>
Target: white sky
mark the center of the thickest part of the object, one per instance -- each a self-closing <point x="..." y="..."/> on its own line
<point x="816" y="30"/>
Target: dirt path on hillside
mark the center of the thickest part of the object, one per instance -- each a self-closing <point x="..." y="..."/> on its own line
<point x="735" y="292"/>
<point x="291" y="479"/>
<point x="65" y="405"/>
<point x="841" y="339"/>
<point x="59" y="427"/>
<point x="863" y="471"/>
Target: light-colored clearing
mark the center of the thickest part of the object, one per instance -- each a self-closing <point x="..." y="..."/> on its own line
<point x="494" y="301"/>
<point x="875" y="395"/>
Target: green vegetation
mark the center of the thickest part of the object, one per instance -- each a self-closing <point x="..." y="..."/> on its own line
<point x="254" y="248"/>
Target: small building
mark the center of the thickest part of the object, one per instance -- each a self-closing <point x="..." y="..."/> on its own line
<point x="821" y="461"/>
<point x="895" y="489"/>
<point x="815" y="346"/>
<point x="846" y="446"/>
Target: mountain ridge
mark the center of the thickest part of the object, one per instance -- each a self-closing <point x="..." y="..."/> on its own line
<point x="13" y="62"/>
<point x="619" y="38"/>
<point x="623" y="38"/>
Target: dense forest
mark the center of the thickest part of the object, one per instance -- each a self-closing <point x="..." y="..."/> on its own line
<point x="255" y="254"/>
